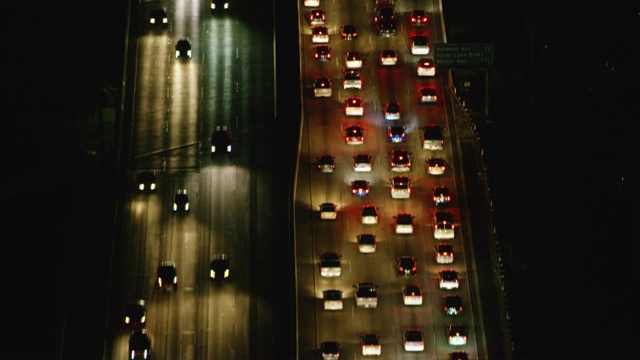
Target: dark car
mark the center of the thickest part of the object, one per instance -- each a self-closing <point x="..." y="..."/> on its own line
<point x="183" y="49"/>
<point x="406" y="266"/>
<point x="221" y="140"/>
<point x="219" y="6"/>
<point x="441" y="195"/>
<point x="400" y="160"/>
<point x="428" y="95"/>
<point x="139" y="345"/>
<point x="167" y="275"/>
<point x="432" y="137"/>
<point x="322" y="53"/>
<point x="317" y="17"/>
<point x="354" y="135"/>
<point x="135" y="315"/>
<point x="219" y="267"/>
<point x="326" y="163"/>
<point x="418" y="17"/>
<point x="385" y="12"/>
<point x="392" y="111"/>
<point x="330" y="350"/>
<point x="147" y="181"/>
<point x="349" y="32"/>
<point x="457" y="334"/>
<point x="396" y="134"/>
<point x="366" y="243"/>
<point x="452" y="304"/>
<point x="388" y="57"/>
<point x="458" y="355"/>
<point x="158" y="18"/>
<point x="359" y="188"/>
<point x="387" y="28"/>
<point x="181" y="201"/>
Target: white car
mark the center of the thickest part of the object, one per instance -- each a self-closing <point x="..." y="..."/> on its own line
<point x="412" y="294"/>
<point x="392" y="111"/>
<point x="428" y="95"/>
<point x="432" y="137"/>
<point x="388" y="57"/>
<point x="413" y="340"/>
<point x="330" y="264"/>
<point x="362" y="163"/>
<point x="370" y="345"/>
<point x="426" y="67"/>
<point x="400" y="161"/>
<point x="448" y="279"/>
<point x="332" y="299"/>
<point x="311" y="3"/>
<point x="353" y="106"/>
<point x="420" y="45"/>
<point x="456" y="335"/>
<point x="443" y="227"/>
<point x="322" y="87"/>
<point x="404" y="223"/>
<point x="444" y="253"/>
<point x="366" y="243"/>
<point x="330" y="350"/>
<point x="369" y="215"/>
<point x="353" y="60"/>
<point x="400" y="187"/>
<point x="435" y="166"/>
<point x="319" y="34"/>
<point x="328" y="211"/>
<point x="352" y="79"/>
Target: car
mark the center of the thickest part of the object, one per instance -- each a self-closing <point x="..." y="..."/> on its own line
<point x="418" y="17"/>
<point x="456" y="335"/>
<point x="366" y="243"/>
<point x="349" y="32"/>
<point x="135" y="315"/>
<point x="458" y="355"/>
<point x="420" y="45"/>
<point x="387" y="28"/>
<point x="218" y="6"/>
<point x="435" y="166"/>
<point x="400" y="161"/>
<point x="396" y="134"/>
<point x="452" y="304"/>
<point x="330" y="264"/>
<point x="322" y="87"/>
<point x="362" y="163"/>
<point x="354" y="135"/>
<point x="385" y="11"/>
<point x="432" y="137"/>
<point x="158" y="18"/>
<point x="353" y="106"/>
<point x="360" y="188"/>
<point x="319" y="34"/>
<point x="369" y="214"/>
<point x="413" y="339"/>
<point x="448" y="279"/>
<point x="441" y="195"/>
<point x="221" y="140"/>
<point x="167" y="275"/>
<point x="352" y="79"/>
<point x="444" y="253"/>
<point x="400" y="187"/>
<point x="370" y="344"/>
<point x="147" y="181"/>
<point x="326" y="163"/>
<point x="330" y="350"/>
<point x="388" y="57"/>
<point x="181" y="201"/>
<point x="392" y="110"/>
<point x="183" y="49"/>
<point x="428" y="95"/>
<point x="317" y="17"/>
<point x="404" y="223"/>
<point x="328" y="211"/>
<point x="406" y="266"/>
<point x="443" y="226"/>
<point x="366" y="294"/>
<point x="322" y="53"/>
<point x="412" y="294"/>
<point x="311" y="3"/>
<point x="332" y="299"/>
<point x="426" y="67"/>
<point x="353" y="60"/>
<point x="219" y="267"/>
<point x="139" y="345"/>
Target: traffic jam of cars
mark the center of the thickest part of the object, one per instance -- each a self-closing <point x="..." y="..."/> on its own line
<point x="395" y="120"/>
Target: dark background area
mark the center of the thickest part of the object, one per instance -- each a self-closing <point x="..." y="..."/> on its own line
<point x="558" y="142"/>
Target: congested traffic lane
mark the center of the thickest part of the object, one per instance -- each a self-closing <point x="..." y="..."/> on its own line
<point x="323" y="132"/>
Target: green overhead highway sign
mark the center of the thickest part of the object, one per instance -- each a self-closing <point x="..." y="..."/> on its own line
<point x="461" y="55"/>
